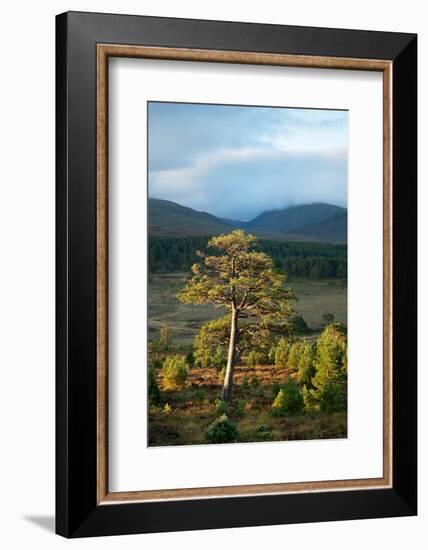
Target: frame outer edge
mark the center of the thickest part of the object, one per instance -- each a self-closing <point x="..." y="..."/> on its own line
<point x="61" y="268"/>
<point x="405" y="274"/>
<point x="77" y="513"/>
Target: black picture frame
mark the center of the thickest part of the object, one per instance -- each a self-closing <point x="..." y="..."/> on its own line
<point x="77" y="511"/>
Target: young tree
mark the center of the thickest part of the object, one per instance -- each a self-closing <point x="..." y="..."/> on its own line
<point x="165" y="336"/>
<point x="244" y="282"/>
<point x="154" y="391"/>
<point x="306" y="364"/>
<point x="294" y="355"/>
<point x="175" y="370"/>
<point x="331" y="367"/>
<point x="281" y="353"/>
<point x="299" y="325"/>
<point x="289" y="398"/>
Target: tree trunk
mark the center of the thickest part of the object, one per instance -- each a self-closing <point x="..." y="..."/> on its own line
<point x="228" y="379"/>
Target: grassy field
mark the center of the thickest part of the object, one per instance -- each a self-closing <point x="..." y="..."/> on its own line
<point x="183" y="415"/>
<point x="315" y="297"/>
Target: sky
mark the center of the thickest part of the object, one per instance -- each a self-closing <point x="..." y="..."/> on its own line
<point x="237" y="161"/>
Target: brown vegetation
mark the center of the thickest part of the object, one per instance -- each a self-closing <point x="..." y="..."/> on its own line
<point x="192" y="409"/>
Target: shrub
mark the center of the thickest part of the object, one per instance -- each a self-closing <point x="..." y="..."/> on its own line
<point x="331" y="356"/>
<point x="309" y="398"/>
<point x="153" y="355"/>
<point x="190" y="359"/>
<point x="154" y="391"/>
<point x="276" y="388"/>
<point x="185" y="394"/>
<point x="330" y="380"/>
<point x="174" y="371"/>
<point x="332" y="398"/>
<point x="199" y="395"/>
<point x="278" y="405"/>
<point x="256" y="390"/>
<point x="211" y="342"/>
<point x="222" y="430"/>
<point x="328" y="389"/>
<point x="254" y="382"/>
<point x="165" y="337"/>
<point x="299" y="325"/>
<point x="257" y="433"/>
<point x="281" y="353"/>
<point x="240" y="409"/>
<point x="245" y="384"/>
<point x="167" y="408"/>
<point x="255" y="358"/>
<point x="219" y="360"/>
<point x="220" y="406"/>
<point x="271" y="355"/>
<point x="289" y="398"/>
<point x="306" y="364"/>
<point x="294" y="355"/>
<point x="156" y="363"/>
<point x="261" y="433"/>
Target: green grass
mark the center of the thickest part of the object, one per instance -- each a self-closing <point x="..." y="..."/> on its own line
<point x="315" y="298"/>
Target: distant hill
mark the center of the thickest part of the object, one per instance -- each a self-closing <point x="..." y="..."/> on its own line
<point x="309" y="222"/>
<point x="334" y="229"/>
<point x="168" y="218"/>
<point x="292" y="219"/>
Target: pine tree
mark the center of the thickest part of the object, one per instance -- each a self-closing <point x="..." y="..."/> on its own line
<point x="165" y="336"/>
<point x="281" y="353"/>
<point x="242" y="281"/>
<point x="175" y="370"/>
<point x="153" y="388"/>
<point x="331" y="366"/>
<point x="289" y="398"/>
<point x="306" y="364"/>
<point x="294" y="355"/>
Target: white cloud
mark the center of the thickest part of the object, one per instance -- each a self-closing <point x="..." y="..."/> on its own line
<point x="236" y="162"/>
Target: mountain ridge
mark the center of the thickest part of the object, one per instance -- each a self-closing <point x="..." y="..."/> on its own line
<point x="289" y="219"/>
<point x="310" y="222"/>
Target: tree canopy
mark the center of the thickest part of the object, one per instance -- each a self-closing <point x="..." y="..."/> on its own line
<point x="239" y="279"/>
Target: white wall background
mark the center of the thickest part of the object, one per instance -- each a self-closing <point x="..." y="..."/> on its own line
<point x="27" y="272"/>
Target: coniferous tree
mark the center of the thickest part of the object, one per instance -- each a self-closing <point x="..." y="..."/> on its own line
<point x="306" y="364"/>
<point x="281" y="353"/>
<point x="289" y="398"/>
<point x="244" y="282"/>
<point x="331" y="366"/>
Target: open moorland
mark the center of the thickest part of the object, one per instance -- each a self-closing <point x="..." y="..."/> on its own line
<point x="181" y="413"/>
<point x="315" y="298"/>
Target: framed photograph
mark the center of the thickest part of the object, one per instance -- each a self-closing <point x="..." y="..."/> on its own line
<point x="236" y="274"/>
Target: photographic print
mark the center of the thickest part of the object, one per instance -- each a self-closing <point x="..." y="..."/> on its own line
<point x="247" y="273"/>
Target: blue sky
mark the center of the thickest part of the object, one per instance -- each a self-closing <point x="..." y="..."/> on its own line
<point x="236" y="162"/>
